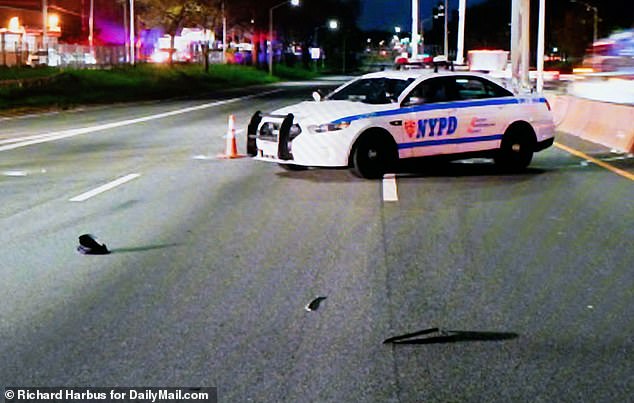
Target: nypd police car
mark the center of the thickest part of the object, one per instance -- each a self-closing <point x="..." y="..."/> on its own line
<point x="377" y="119"/>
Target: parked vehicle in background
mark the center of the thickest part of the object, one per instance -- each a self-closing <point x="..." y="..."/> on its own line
<point x="38" y="58"/>
<point x="614" y="53"/>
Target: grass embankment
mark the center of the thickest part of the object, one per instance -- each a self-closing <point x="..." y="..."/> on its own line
<point x="33" y="88"/>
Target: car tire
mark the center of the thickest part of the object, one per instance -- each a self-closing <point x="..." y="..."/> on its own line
<point x="292" y="167"/>
<point x="373" y="156"/>
<point x="516" y="150"/>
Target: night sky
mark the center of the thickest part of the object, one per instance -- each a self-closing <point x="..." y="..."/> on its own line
<point x="386" y="14"/>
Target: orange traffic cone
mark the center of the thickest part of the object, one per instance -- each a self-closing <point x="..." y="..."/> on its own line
<point x="231" y="150"/>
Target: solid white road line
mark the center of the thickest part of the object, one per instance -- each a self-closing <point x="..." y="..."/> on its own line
<point x="14" y="173"/>
<point x="25" y="138"/>
<point x="43" y="138"/>
<point x="390" y="192"/>
<point x="104" y="188"/>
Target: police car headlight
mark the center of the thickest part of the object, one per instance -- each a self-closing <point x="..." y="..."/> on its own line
<point x="329" y="127"/>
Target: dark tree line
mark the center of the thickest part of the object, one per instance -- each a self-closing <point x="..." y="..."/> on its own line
<point x="569" y="26"/>
<point x="306" y="25"/>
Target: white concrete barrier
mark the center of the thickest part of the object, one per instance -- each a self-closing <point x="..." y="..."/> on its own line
<point x="611" y="125"/>
<point x="611" y="89"/>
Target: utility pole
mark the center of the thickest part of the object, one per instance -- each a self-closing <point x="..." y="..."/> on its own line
<point x="44" y="23"/>
<point x="224" y="34"/>
<point x="462" y="8"/>
<point x="91" y="25"/>
<point x="344" y="53"/>
<point x="540" y="45"/>
<point x="132" y="45"/>
<point x="294" y="3"/>
<point x="414" y="29"/>
<point x="520" y="44"/>
<point x="446" y="45"/>
<point x="125" y="31"/>
<point x="595" y="34"/>
<point x="270" y="47"/>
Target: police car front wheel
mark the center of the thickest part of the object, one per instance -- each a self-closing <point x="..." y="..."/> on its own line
<point x="373" y="156"/>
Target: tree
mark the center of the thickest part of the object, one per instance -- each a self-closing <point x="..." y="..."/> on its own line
<point x="173" y="15"/>
<point x="299" y="23"/>
<point x="310" y="20"/>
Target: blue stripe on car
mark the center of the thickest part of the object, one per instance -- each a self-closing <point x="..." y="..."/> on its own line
<point x="449" y="141"/>
<point x="431" y="107"/>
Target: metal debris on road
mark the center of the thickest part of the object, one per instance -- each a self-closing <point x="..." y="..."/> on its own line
<point x="314" y="304"/>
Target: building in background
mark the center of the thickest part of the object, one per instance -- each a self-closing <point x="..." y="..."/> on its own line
<point x="68" y="32"/>
<point x="22" y="38"/>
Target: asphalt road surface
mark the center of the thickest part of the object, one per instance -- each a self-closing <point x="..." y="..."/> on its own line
<point x="520" y="287"/>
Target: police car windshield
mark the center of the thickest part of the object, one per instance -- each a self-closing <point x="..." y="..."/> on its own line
<point x="372" y="90"/>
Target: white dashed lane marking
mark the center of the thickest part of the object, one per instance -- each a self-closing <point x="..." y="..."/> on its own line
<point x="104" y="188"/>
<point x="390" y="191"/>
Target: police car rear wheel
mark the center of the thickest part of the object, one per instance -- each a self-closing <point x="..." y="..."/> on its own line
<point x="516" y="151"/>
<point x="373" y="156"/>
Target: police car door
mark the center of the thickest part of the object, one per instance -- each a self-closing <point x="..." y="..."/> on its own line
<point x="430" y="121"/>
<point x="480" y="113"/>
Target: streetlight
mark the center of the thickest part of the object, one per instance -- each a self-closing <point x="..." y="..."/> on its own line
<point x="53" y="23"/>
<point x="294" y="3"/>
<point x="590" y="7"/>
<point x="14" y="24"/>
<point x="331" y="25"/>
<point x="334" y="26"/>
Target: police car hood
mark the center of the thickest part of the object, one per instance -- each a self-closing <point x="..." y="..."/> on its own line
<point x="315" y="113"/>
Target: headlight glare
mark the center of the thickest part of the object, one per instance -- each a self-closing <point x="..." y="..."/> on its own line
<point x="330" y="127"/>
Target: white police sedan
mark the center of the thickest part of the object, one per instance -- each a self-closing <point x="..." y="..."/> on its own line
<point x="373" y="121"/>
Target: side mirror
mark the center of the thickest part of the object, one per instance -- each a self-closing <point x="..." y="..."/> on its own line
<point x="317" y="96"/>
